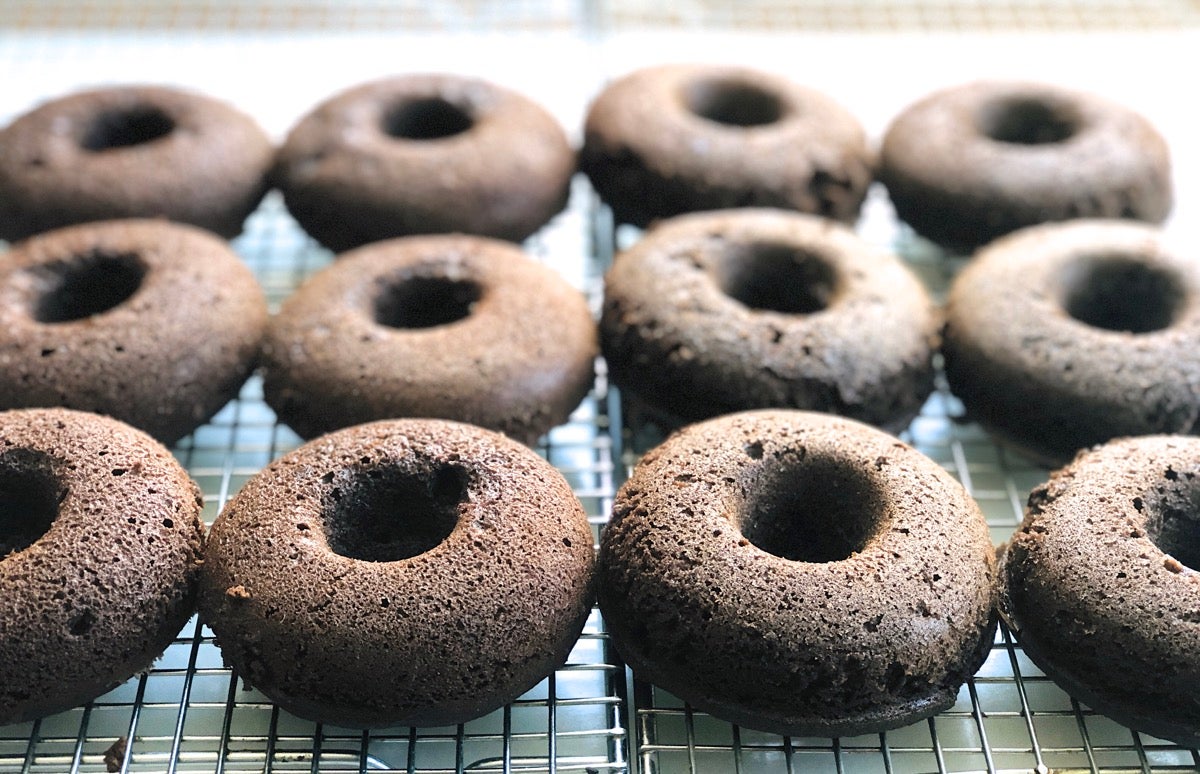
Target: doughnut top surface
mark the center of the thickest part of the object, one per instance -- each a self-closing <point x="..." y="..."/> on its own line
<point x="424" y="154"/>
<point x="970" y="163"/>
<point x="402" y="572"/>
<point x="1101" y="584"/>
<point x="450" y="326"/>
<point x="100" y="540"/>
<point x="679" y="138"/>
<point x="798" y="573"/>
<point x="724" y="311"/>
<point x="1062" y="336"/>
<point x="131" y="152"/>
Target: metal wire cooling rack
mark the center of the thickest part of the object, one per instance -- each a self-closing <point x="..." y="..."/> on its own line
<point x="275" y="58"/>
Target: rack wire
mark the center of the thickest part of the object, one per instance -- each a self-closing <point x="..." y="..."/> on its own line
<point x="190" y="714"/>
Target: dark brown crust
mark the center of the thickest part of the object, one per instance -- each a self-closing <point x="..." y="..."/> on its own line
<point x="845" y="647"/>
<point x="210" y="171"/>
<point x="1048" y="383"/>
<point x="102" y="593"/>
<point x="348" y="182"/>
<point x="165" y="360"/>
<point x="519" y="363"/>
<point x="1095" y="602"/>
<point x="958" y="187"/>
<point x="649" y="156"/>
<point x="435" y="639"/>
<point x="673" y="338"/>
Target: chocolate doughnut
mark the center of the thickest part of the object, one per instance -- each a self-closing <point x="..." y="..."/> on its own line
<point x="1099" y="584"/>
<point x="131" y="152"/>
<point x="154" y="323"/>
<point x="455" y="327"/>
<point x="412" y="572"/>
<point x="1062" y="336"/>
<point x="100" y="546"/>
<point x="720" y="312"/>
<point x="680" y="138"/>
<point x="798" y="573"/>
<point x="424" y="154"/>
<point x="971" y="163"/>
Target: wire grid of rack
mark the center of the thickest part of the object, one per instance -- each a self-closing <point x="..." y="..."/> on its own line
<point x="189" y="713"/>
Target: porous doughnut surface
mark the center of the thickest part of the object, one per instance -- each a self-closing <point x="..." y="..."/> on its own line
<point x="1062" y="336"/>
<point x="100" y="548"/>
<point x="455" y="327"/>
<point x="413" y="572"/>
<point x="1100" y="584"/>
<point x="154" y="323"/>
<point x="727" y="311"/>
<point x="424" y="154"/>
<point x="798" y="573"/>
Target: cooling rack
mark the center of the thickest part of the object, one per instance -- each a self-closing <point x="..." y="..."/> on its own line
<point x="276" y="58"/>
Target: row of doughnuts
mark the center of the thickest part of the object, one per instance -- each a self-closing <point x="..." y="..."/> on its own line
<point x="438" y="153"/>
<point x="159" y="324"/>
<point x="1056" y="337"/>
<point x="413" y="571"/>
<point x="790" y="571"/>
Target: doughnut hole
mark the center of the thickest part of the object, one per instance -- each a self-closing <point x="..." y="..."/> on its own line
<point x="88" y="285"/>
<point x="1122" y="293"/>
<point x="776" y="277"/>
<point x="1173" y="518"/>
<point x="123" y="128"/>
<point x="425" y="119"/>
<point x="812" y="510"/>
<point x="426" y="302"/>
<point x="732" y="102"/>
<point x="383" y="514"/>
<point x="1028" y="121"/>
<point x="29" y="498"/>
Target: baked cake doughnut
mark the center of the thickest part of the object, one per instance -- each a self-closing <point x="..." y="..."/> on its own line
<point x="680" y="138"/>
<point x="970" y="163"/>
<point x="100" y="546"/>
<point x="412" y="572"/>
<point x="725" y="311"/>
<point x="154" y="323"/>
<point x="422" y="154"/>
<point x="128" y="152"/>
<point x="1100" y="584"/>
<point x="798" y="573"/>
<point x="1062" y="336"/>
<point x="454" y="327"/>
